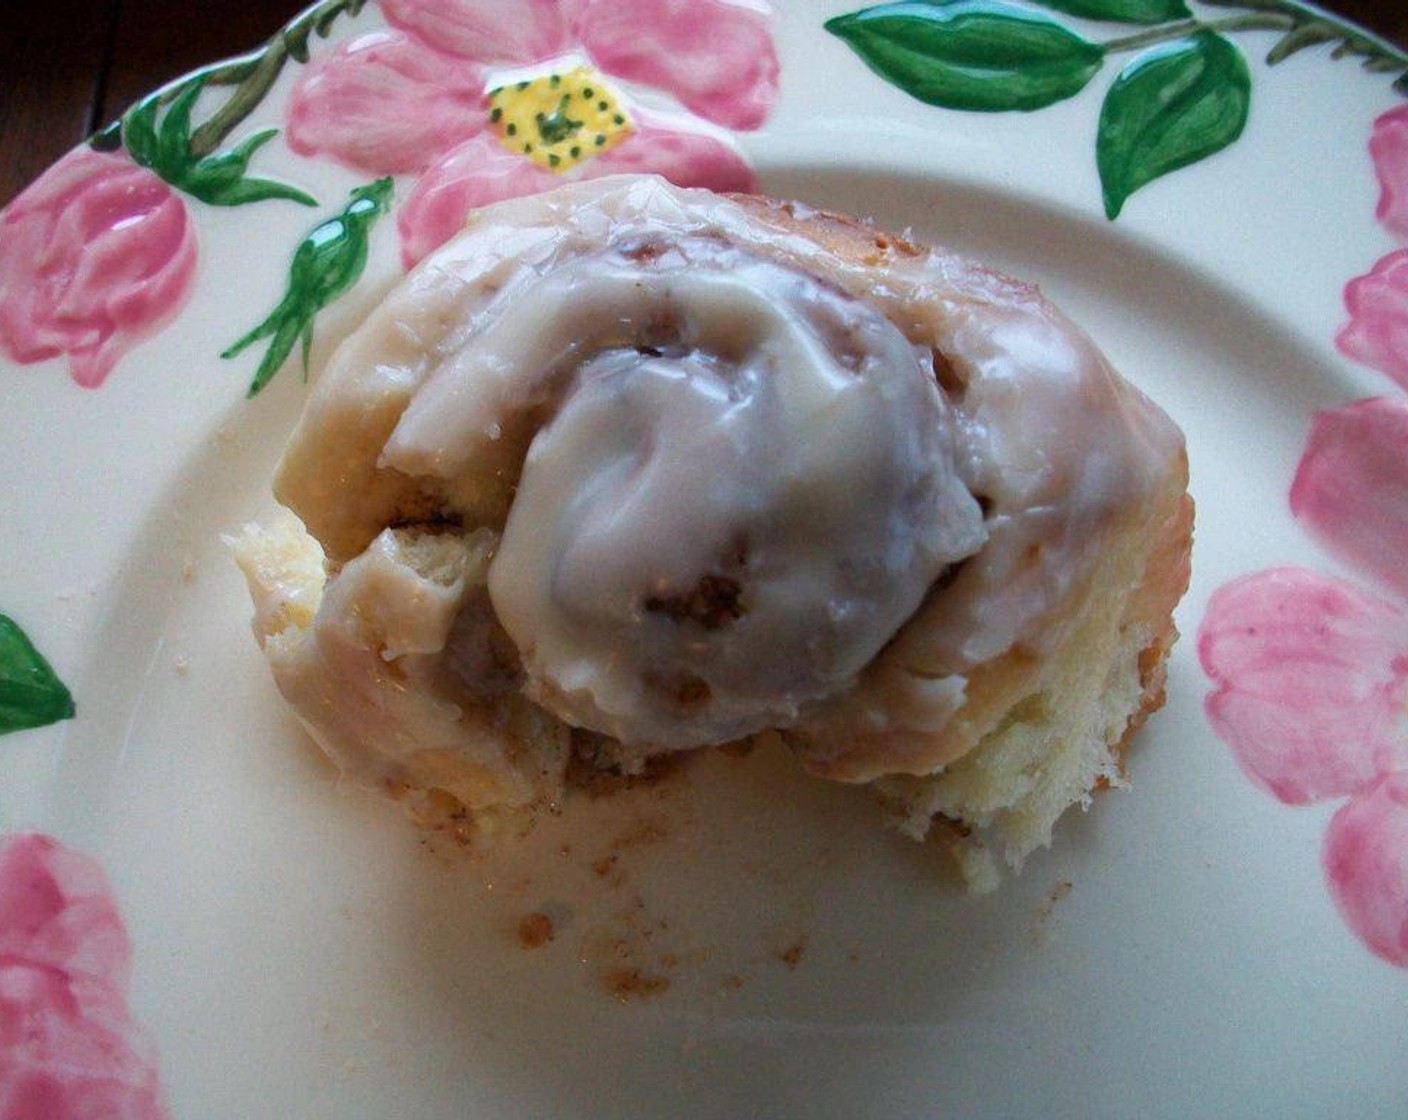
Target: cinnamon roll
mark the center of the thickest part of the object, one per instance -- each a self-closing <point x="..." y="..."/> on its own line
<point x="626" y="470"/>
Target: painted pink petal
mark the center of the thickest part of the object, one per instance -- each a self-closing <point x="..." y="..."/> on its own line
<point x="1351" y="488"/>
<point x="482" y="171"/>
<point x="476" y="173"/>
<point x="95" y="255"/>
<point x="1377" y="331"/>
<point x="385" y="104"/>
<point x="55" y="909"/>
<point x="687" y="158"/>
<point x="504" y="32"/>
<point x="1388" y="144"/>
<point x="715" y="56"/>
<point x="1312" y="677"/>
<point x="69" y="1049"/>
<point x="1366" y="866"/>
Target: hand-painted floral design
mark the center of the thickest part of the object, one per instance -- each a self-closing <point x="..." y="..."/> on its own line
<point x="1312" y="671"/>
<point x="100" y="252"/>
<point x="1377" y="331"/>
<point x="1184" y="96"/>
<point x="490" y="101"/>
<point x="96" y="255"/>
<point x="69" y="1048"/>
<point x="161" y="132"/>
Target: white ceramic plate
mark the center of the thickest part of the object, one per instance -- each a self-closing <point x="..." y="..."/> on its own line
<point x="737" y="941"/>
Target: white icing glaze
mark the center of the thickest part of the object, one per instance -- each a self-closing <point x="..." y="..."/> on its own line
<point x="746" y="485"/>
<point x="740" y="518"/>
<point x="789" y="419"/>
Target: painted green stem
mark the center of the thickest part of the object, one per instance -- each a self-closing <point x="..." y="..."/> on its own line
<point x="267" y="67"/>
<point x="1169" y="31"/>
<point x="1299" y="25"/>
<point x="158" y="134"/>
<point x="254" y="74"/>
<point x="1353" y="40"/>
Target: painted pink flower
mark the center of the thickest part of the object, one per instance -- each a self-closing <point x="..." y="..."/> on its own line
<point x="1312" y="672"/>
<point x="1377" y="331"/>
<point x="69" y="1050"/>
<point x="96" y="255"/>
<point x="1388" y="145"/>
<point x="491" y="101"/>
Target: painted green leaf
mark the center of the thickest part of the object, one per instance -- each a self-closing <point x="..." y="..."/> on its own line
<point x="1170" y="107"/>
<point x="139" y="132"/>
<point x="31" y="694"/>
<point x="1122" y="11"/>
<point x="971" y="54"/>
<point x="219" y="179"/>
<point x="173" y="138"/>
<point x="326" y="263"/>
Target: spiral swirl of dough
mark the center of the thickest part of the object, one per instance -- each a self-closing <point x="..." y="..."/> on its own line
<point x="711" y="471"/>
<point x="731" y="483"/>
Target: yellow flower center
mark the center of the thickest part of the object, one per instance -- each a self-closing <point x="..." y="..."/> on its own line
<point x="558" y="120"/>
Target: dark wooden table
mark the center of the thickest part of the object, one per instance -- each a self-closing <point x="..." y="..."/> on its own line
<point x="67" y="67"/>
